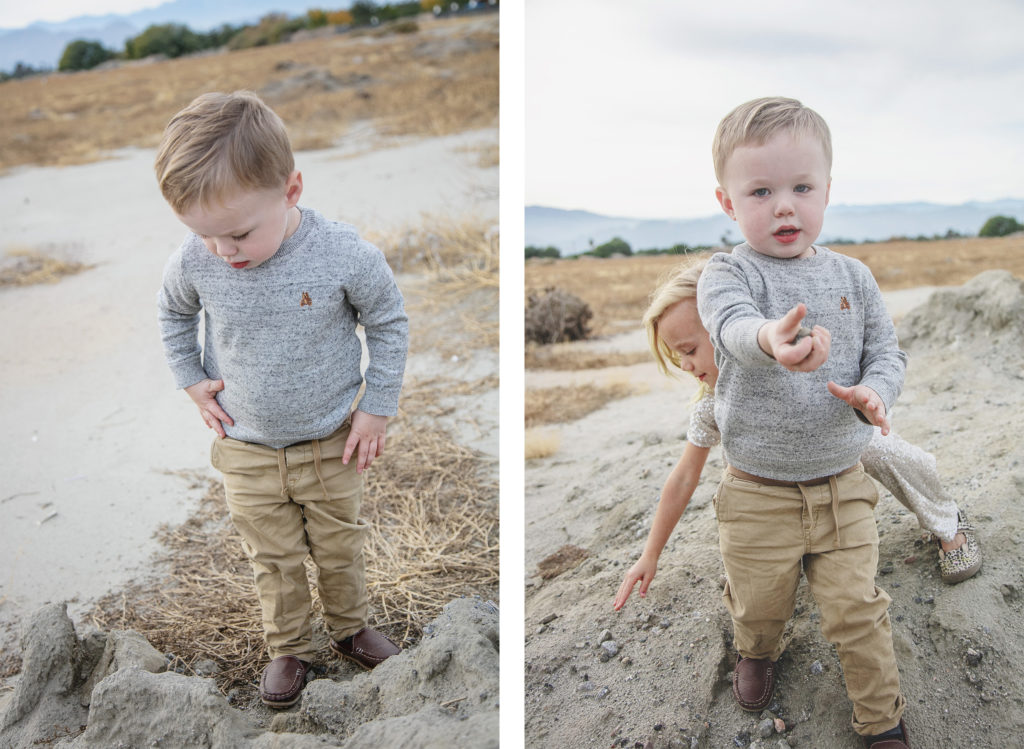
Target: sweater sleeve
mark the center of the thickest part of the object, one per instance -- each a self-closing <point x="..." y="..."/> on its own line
<point x="379" y="304"/>
<point x="883" y="364"/>
<point x="727" y="309"/>
<point x="178" y="308"/>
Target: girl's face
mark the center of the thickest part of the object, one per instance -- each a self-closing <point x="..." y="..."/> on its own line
<point x="682" y="331"/>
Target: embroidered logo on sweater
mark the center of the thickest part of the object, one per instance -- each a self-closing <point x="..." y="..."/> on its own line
<point x="307" y="302"/>
<point x="843" y="304"/>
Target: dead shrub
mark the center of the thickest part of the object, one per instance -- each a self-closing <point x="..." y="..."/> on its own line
<point x="555" y="315"/>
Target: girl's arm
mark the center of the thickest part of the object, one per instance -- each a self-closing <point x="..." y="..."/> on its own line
<point x="675" y="495"/>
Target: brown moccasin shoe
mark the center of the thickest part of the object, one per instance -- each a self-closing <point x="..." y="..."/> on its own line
<point x="282" y="681"/>
<point x="873" y="742"/>
<point x="367" y="647"/>
<point x="753" y="683"/>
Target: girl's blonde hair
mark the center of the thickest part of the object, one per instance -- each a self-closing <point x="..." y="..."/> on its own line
<point x="758" y="121"/>
<point x="680" y="284"/>
<point x="221" y="143"/>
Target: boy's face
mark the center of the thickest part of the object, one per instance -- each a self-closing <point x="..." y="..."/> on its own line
<point x="777" y="193"/>
<point x="246" y="228"/>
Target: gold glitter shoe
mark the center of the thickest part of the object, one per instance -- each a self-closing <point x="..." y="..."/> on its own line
<point x="960" y="564"/>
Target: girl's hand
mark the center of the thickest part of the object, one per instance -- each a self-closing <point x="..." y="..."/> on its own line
<point x="204" y="395"/>
<point x="865" y="400"/>
<point x="642" y="572"/>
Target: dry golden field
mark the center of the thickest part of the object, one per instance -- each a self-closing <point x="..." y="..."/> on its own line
<point x="617" y="288"/>
<point x="438" y="80"/>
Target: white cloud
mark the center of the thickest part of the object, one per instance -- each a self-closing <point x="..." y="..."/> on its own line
<point x="622" y="99"/>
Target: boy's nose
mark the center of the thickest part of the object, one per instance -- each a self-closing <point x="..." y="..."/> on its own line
<point x="226" y="249"/>
<point x="783" y="207"/>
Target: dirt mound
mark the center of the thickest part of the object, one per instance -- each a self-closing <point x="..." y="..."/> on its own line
<point x="112" y="690"/>
<point x="657" y="674"/>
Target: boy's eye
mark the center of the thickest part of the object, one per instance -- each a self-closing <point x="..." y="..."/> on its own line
<point x="240" y="237"/>
<point x="761" y="192"/>
<point x="803" y="188"/>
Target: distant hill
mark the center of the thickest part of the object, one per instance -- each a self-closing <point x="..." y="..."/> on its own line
<point x="41" y="44"/>
<point x="573" y="231"/>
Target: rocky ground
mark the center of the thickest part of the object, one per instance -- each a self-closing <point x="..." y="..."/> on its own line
<point x="658" y="673"/>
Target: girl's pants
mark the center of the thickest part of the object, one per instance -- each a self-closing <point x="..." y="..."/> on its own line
<point x="766" y="532"/>
<point x="288" y="504"/>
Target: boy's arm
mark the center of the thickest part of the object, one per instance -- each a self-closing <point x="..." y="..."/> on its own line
<point x="728" y="311"/>
<point x="378" y="302"/>
<point x="883" y="364"/>
<point x="178" y="308"/>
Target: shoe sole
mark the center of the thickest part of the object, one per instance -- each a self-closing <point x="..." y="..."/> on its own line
<point x="959" y="577"/>
<point x="278" y="704"/>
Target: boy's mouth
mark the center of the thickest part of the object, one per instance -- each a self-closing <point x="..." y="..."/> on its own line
<point x="239" y="266"/>
<point x="787" y="234"/>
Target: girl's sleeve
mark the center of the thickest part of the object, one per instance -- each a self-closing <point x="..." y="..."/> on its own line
<point x="703" y="430"/>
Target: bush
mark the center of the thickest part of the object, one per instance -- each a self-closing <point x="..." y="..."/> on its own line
<point x="555" y="316"/>
<point x="614" y="246"/>
<point x="170" y="39"/>
<point x="1000" y="226"/>
<point x="82" y="54"/>
<point x="272" y="29"/>
<point x="532" y="251"/>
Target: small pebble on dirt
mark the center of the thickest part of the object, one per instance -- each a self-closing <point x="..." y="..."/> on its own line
<point x="816" y="668"/>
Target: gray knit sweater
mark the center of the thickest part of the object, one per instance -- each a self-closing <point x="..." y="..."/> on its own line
<point x="282" y="335"/>
<point x="786" y="425"/>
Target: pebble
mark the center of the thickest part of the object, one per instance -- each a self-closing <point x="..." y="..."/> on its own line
<point x="549" y="618"/>
<point x="609" y="649"/>
<point x="605" y="635"/>
<point x="816" y="667"/>
<point x="973" y="657"/>
<point x="766" y="728"/>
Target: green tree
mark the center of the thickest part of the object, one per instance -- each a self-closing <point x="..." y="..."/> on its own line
<point x="532" y="251"/>
<point x="82" y="54"/>
<point x="615" y="245"/>
<point x="1000" y="226"/>
<point x="171" y="39"/>
<point x="363" y="12"/>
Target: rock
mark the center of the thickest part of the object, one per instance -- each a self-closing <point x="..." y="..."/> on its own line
<point x="455" y="667"/>
<point x="431" y="727"/>
<point x="765" y="728"/>
<point x="973" y="657"/>
<point x="46" y="704"/>
<point x="124" y="649"/>
<point x="816" y="668"/>
<point x="609" y="649"/>
<point x="134" y="707"/>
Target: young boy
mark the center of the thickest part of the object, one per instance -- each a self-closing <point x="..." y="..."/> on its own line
<point x="795" y="409"/>
<point x="282" y="290"/>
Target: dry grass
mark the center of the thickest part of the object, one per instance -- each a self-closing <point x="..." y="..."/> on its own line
<point x="460" y="262"/>
<point x="442" y="79"/>
<point x="562" y="404"/>
<point x="432" y="508"/>
<point x="571" y="356"/>
<point x="27" y="266"/>
<point x="541" y="443"/>
<point x="619" y="288"/>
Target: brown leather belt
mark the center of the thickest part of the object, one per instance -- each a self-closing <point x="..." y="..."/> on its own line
<point x="775" y="482"/>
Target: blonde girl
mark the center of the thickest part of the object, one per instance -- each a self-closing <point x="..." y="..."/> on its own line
<point x="679" y="341"/>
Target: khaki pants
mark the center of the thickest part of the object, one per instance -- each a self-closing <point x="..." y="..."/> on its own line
<point x="288" y="504"/>
<point x="766" y="533"/>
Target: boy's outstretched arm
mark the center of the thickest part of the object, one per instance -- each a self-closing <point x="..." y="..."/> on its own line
<point x="204" y="394"/>
<point x="675" y="495"/>
<point x="366" y="439"/>
<point x="778" y="338"/>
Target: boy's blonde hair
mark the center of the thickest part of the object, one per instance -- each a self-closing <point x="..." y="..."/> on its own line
<point x="757" y="121"/>
<point x="221" y="143"/>
<point x="680" y="284"/>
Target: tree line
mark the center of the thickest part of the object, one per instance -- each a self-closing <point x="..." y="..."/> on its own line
<point x="176" y="40"/>
<point x="997" y="226"/>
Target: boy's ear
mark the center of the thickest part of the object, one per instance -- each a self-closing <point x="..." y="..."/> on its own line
<point x="828" y="189"/>
<point x="725" y="202"/>
<point x="293" y="188"/>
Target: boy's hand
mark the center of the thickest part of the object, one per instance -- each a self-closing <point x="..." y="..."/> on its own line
<point x="865" y="400"/>
<point x="204" y="394"/>
<point x="778" y="339"/>
<point x="642" y="572"/>
<point x="367" y="433"/>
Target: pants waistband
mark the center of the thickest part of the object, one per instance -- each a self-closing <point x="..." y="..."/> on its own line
<point x="733" y="470"/>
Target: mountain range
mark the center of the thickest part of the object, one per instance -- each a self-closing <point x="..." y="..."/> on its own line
<point x="575" y="231"/>
<point x="41" y="44"/>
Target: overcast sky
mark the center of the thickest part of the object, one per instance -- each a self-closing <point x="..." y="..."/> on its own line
<point x="623" y="97"/>
<point x="15" y="14"/>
